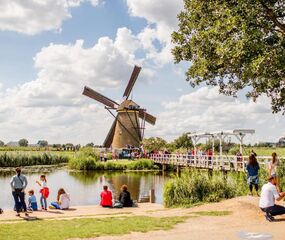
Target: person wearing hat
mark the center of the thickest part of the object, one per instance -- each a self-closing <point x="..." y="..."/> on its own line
<point x="269" y="194"/>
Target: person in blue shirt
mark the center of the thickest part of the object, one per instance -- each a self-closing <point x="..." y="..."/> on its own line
<point x="252" y="169"/>
<point x="33" y="206"/>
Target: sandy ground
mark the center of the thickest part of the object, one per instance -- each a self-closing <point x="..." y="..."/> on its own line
<point x="245" y="219"/>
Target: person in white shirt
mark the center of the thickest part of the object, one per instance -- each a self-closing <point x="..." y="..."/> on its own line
<point x="63" y="200"/>
<point x="268" y="196"/>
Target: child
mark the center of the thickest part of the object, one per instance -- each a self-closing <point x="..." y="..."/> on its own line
<point x="33" y="206"/>
<point x="106" y="197"/>
<point x="63" y="200"/>
<point x="44" y="191"/>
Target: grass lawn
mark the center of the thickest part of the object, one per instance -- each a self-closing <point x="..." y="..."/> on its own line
<point x="84" y="227"/>
<point x="265" y="151"/>
<point x="212" y="213"/>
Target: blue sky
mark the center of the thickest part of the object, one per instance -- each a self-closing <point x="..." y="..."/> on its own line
<point x="49" y="52"/>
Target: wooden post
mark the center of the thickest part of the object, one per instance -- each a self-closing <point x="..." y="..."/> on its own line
<point x="151" y="196"/>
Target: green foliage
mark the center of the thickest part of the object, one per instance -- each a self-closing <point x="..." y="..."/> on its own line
<point x="234" y="44"/>
<point x="43" y="143"/>
<point x="195" y="187"/>
<point x="90" y="163"/>
<point x="182" y="142"/>
<point x="16" y="159"/>
<point x="85" y="227"/>
<point x="23" y="142"/>
<point x="2" y="143"/>
<point x="154" y="143"/>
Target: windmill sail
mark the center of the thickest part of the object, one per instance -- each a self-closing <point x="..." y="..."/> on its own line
<point x="147" y="117"/>
<point x="109" y="139"/>
<point x="132" y="81"/>
<point x="99" y="97"/>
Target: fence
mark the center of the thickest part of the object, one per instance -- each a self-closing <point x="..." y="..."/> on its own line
<point x="224" y="162"/>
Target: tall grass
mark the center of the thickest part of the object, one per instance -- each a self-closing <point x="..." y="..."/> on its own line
<point x="90" y="164"/>
<point x="15" y="159"/>
<point x="196" y="186"/>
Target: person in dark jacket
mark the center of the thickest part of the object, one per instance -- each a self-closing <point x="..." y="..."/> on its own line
<point x="252" y="169"/>
<point x="125" y="197"/>
<point x="18" y="184"/>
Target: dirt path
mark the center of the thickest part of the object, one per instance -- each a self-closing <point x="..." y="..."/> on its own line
<point x="244" y="217"/>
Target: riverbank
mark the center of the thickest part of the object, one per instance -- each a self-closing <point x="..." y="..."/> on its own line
<point x="229" y="219"/>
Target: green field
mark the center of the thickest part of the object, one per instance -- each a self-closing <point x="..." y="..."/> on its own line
<point x="85" y="227"/>
<point x="265" y="151"/>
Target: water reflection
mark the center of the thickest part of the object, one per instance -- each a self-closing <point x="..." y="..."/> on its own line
<point x="85" y="187"/>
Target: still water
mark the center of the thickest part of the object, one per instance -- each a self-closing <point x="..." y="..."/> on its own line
<point x="85" y="188"/>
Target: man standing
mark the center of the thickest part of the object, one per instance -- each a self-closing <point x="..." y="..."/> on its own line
<point x="268" y="196"/>
<point x="18" y="184"/>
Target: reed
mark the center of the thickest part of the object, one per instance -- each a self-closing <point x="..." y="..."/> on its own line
<point x="20" y="158"/>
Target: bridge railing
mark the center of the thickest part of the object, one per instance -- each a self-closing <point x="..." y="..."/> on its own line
<point x="230" y="162"/>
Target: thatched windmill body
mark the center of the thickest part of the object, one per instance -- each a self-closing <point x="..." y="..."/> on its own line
<point x="129" y="123"/>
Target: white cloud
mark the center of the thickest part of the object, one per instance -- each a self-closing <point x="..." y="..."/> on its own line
<point x="206" y="110"/>
<point x="52" y="105"/>
<point x="162" y="19"/>
<point x="34" y="16"/>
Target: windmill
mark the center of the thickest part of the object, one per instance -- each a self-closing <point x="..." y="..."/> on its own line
<point x="129" y="123"/>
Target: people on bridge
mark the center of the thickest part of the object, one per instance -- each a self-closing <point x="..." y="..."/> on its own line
<point x="270" y="194"/>
<point x="273" y="169"/>
<point x="106" y="197"/>
<point x="18" y="184"/>
<point x="62" y="201"/>
<point x="252" y="169"/>
<point x="125" y="197"/>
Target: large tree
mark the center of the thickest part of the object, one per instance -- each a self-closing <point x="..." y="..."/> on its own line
<point x="23" y="142"/>
<point x="154" y="143"/>
<point x="235" y="44"/>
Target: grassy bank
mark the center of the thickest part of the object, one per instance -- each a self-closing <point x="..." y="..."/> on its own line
<point x="19" y="158"/>
<point x="85" y="227"/>
<point x="90" y="164"/>
<point x="198" y="186"/>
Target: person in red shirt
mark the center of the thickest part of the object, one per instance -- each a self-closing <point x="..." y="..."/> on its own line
<point x="106" y="197"/>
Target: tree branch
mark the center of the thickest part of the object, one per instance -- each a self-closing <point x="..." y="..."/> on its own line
<point x="273" y="17"/>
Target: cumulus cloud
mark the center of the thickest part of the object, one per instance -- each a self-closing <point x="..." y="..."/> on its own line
<point x="162" y="19"/>
<point x="52" y="104"/>
<point x="34" y="16"/>
<point x="206" y="110"/>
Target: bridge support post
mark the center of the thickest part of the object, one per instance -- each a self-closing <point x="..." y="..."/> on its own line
<point x="151" y="196"/>
<point x="178" y="170"/>
<point x="163" y="167"/>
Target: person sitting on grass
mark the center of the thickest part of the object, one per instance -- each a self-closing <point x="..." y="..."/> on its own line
<point x="268" y="196"/>
<point x="106" y="197"/>
<point x="252" y="169"/>
<point x="63" y="200"/>
<point x="125" y="197"/>
<point x="33" y="206"/>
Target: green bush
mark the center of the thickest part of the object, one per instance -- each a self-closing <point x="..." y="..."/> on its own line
<point x="89" y="163"/>
<point x="15" y="159"/>
<point x="197" y="186"/>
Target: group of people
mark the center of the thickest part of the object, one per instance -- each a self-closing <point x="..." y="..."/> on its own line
<point x="125" y="199"/>
<point x="19" y="184"/>
<point x="270" y="191"/>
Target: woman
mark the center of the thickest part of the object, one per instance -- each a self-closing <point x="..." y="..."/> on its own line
<point x="252" y="173"/>
<point x="18" y="184"/>
<point x="125" y="197"/>
<point x="63" y="200"/>
<point x="273" y="169"/>
<point x="106" y="197"/>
